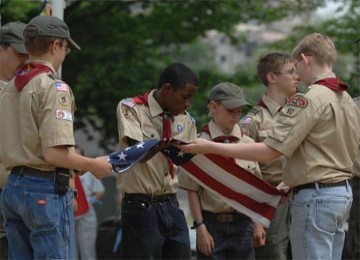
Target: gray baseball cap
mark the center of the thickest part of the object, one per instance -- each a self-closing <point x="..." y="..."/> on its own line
<point x="49" y="26"/>
<point x="230" y="95"/>
<point x="12" y="33"/>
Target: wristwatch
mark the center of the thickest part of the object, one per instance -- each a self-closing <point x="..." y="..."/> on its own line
<point x="197" y="223"/>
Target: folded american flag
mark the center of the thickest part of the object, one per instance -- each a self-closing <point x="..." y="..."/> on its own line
<point x="242" y="190"/>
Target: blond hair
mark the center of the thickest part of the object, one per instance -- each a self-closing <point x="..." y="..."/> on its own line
<point x="319" y="46"/>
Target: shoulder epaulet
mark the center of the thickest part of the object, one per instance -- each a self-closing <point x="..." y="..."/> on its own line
<point x="192" y="119"/>
<point x="129" y="102"/>
<point x="254" y="110"/>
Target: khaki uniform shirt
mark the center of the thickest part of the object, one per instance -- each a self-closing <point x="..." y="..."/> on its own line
<point x="38" y="117"/>
<point x="319" y="133"/>
<point x="3" y="172"/>
<point x="140" y="123"/>
<point x="210" y="201"/>
<point x="257" y="124"/>
<point x="357" y="160"/>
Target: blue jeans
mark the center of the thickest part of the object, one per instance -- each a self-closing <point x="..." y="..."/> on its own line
<point x="233" y="240"/>
<point x="39" y="223"/>
<point x="153" y="229"/>
<point x="317" y="226"/>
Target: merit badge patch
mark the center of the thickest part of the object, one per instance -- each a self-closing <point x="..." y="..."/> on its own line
<point x="180" y="128"/>
<point x="64" y="115"/>
<point x="298" y="101"/>
<point x="64" y="100"/>
<point x="61" y="86"/>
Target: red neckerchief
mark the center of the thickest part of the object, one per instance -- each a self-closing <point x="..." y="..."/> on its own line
<point x="332" y="83"/>
<point x="166" y="130"/>
<point x="142" y="99"/>
<point x="222" y="139"/>
<point x="262" y="104"/>
<point x="28" y="71"/>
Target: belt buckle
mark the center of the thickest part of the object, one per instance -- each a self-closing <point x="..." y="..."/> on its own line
<point x="225" y="217"/>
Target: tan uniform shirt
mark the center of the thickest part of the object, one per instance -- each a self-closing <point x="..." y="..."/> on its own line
<point x="210" y="201"/>
<point x="3" y="172"/>
<point x="139" y="122"/>
<point x="319" y="133"/>
<point x="257" y="124"/>
<point x="38" y="117"/>
<point x="357" y="160"/>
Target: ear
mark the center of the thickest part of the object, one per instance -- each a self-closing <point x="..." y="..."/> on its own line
<point x="53" y="46"/>
<point x="212" y="107"/>
<point x="305" y="59"/>
<point x="271" y="77"/>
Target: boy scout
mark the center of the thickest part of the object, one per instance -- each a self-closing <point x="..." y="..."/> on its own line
<point x="353" y="239"/>
<point x="277" y="72"/>
<point x="318" y="132"/>
<point x="153" y="226"/>
<point x="37" y="146"/>
<point x="12" y="55"/>
<point x="212" y="216"/>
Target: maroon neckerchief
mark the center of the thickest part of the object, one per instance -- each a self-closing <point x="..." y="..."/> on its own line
<point x="28" y="71"/>
<point x="222" y="139"/>
<point x="332" y="83"/>
<point x="166" y="130"/>
<point x="262" y="104"/>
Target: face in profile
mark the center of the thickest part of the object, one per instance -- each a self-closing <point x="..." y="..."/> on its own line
<point x="179" y="100"/>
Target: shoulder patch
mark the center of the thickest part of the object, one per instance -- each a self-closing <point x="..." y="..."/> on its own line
<point x="61" y="86"/>
<point x="129" y="103"/>
<point x="298" y="101"/>
<point x="246" y="120"/>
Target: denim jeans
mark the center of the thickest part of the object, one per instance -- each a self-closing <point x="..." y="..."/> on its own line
<point x="233" y="240"/>
<point x="317" y="226"/>
<point x="277" y="244"/>
<point x="39" y="223"/>
<point x="153" y="229"/>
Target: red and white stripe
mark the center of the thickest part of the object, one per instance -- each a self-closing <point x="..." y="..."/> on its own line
<point x="242" y="190"/>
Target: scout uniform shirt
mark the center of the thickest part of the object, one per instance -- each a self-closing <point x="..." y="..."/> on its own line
<point x="38" y="113"/>
<point x="257" y="124"/>
<point x="210" y="201"/>
<point x="140" y="122"/>
<point x="3" y="173"/>
<point x="357" y="160"/>
<point x="319" y="133"/>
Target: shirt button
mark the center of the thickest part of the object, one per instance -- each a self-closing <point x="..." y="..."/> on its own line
<point x="166" y="174"/>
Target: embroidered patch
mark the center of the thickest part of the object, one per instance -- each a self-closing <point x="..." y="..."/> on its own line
<point x="61" y="86"/>
<point x="63" y="100"/>
<point x="289" y="111"/>
<point x="64" y="115"/>
<point x="41" y="202"/>
<point x="298" y="101"/>
<point x="129" y="103"/>
<point x="246" y="120"/>
<point x="180" y="128"/>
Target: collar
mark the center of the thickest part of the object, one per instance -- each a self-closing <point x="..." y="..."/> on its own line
<point x="324" y="76"/>
<point x="271" y="105"/>
<point x="216" y="132"/>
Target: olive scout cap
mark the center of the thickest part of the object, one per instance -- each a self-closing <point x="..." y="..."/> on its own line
<point x="12" y="34"/>
<point x="230" y="95"/>
<point x="49" y="26"/>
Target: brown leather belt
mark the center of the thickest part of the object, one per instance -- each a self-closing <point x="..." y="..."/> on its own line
<point x="224" y="217"/>
<point x="321" y="185"/>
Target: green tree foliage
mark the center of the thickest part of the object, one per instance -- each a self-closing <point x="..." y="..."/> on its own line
<point x="125" y="44"/>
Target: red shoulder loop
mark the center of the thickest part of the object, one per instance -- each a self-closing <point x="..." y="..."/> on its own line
<point x="142" y="99"/>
